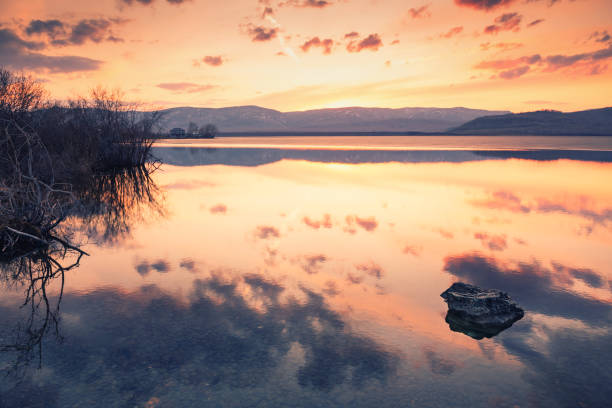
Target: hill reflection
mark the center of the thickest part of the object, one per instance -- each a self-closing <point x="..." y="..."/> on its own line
<point x="201" y="156"/>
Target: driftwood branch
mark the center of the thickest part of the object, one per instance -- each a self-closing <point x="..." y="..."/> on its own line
<point x="25" y="234"/>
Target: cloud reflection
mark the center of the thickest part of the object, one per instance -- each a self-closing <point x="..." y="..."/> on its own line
<point x="218" y="209"/>
<point x="561" y="375"/>
<point x="353" y="221"/>
<point x="580" y="206"/>
<point x="188" y="264"/>
<point x="532" y="285"/>
<point x="312" y="264"/>
<point x="325" y="222"/>
<point x="266" y="232"/>
<point x="372" y="269"/>
<point x="439" y="365"/>
<point x="145" y="267"/>
<point x="588" y="276"/>
<point x="412" y="250"/>
<point x="231" y="332"/>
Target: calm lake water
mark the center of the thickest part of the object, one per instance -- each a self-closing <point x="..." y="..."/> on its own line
<point x="307" y="272"/>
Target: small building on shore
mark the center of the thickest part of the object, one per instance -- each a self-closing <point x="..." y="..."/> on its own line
<point x="177" y="133"/>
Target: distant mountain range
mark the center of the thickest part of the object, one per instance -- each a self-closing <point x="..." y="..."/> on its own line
<point x="254" y="119"/>
<point x="594" y="122"/>
<point x="357" y="120"/>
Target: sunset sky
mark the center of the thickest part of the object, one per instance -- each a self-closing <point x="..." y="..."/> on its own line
<point x="288" y="55"/>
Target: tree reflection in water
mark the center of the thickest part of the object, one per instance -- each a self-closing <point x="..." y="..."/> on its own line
<point x="111" y="203"/>
<point x="108" y="205"/>
<point x="36" y="271"/>
<point x="219" y="337"/>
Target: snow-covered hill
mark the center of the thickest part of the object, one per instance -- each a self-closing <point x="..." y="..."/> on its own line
<point x="354" y="119"/>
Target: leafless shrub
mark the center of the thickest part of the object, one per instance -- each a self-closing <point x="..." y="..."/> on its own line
<point x="96" y="134"/>
<point x="84" y="135"/>
<point x="87" y="159"/>
<point x="31" y="203"/>
<point x="47" y="149"/>
<point x="19" y="95"/>
<point x="123" y="135"/>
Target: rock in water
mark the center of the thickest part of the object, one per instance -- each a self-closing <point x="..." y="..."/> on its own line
<point x="478" y="312"/>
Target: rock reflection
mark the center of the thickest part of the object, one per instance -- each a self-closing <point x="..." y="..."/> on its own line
<point x="457" y="323"/>
<point x="232" y="332"/>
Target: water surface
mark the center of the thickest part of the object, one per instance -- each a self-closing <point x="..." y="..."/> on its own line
<point x="288" y="274"/>
<point x="404" y="142"/>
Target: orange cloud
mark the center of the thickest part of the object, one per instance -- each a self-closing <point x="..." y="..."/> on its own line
<point x="187" y="87"/>
<point x="419" y="12"/>
<point x="535" y="22"/>
<point x="369" y="224"/>
<point x="502" y="46"/>
<point x="266" y="232"/>
<point x="452" y="32"/>
<point x="371" y="42"/>
<point x="484" y="4"/>
<point x="513" y="68"/>
<point x="326" y="44"/>
<point x="305" y="3"/>
<point x="412" y="250"/>
<point x="150" y="2"/>
<point x="514" y="73"/>
<point x="214" y="61"/>
<point x="312" y="263"/>
<point x="372" y="269"/>
<point x="260" y="33"/>
<point x="493" y="242"/>
<point x="509" y="63"/>
<point x="325" y="222"/>
<point x="505" y="22"/>
<point x="268" y="11"/>
<point x="218" y="209"/>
